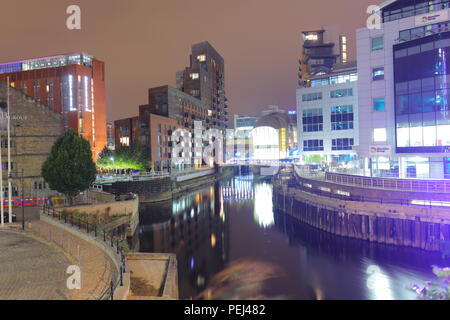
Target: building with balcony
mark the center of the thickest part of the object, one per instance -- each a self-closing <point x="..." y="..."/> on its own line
<point x="72" y="85"/>
<point x="204" y="79"/>
<point x="403" y="91"/>
<point x="320" y="51"/>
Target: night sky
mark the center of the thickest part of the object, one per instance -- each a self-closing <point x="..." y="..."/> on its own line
<point x="144" y="43"/>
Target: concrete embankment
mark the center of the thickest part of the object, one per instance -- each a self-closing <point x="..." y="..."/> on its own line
<point x="412" y="226"/>
<point x="163" y="189"/>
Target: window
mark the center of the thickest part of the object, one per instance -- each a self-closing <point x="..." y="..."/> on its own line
<point x="341" y="93"/>
<point x="201" y="58"/>
<point x="342" y="118"/>
<point x="5" y="143"/>
<point x="379" y="105"/>
<point x="312" y="120"/>
<point x="125" y="141"/>
<point x="5" y="166"/>
<point x="194" y="76"/>
<point x="378" y="74"/>
<point x="312" y="96"/>
<point x="313" y="145"/>
<point x="377" y="43"/>
<point x="379" y="135"/>
<point x="342" y="144"/>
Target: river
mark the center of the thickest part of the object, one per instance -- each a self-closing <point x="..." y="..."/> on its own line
<point x="233" y="221"/>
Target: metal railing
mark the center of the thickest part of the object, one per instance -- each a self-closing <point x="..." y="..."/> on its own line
<point x="412" y="185"/>
<point x="348" y="196"/>
<point x="108" y="239"/>
<point x="303" y="182"/>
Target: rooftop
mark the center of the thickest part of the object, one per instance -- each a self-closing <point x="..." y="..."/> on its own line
<point x="47" y="62"/>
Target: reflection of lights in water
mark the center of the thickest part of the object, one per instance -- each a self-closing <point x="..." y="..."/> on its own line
<point x="192" y="263"/>
<point x="263" y="212"/>
<point x="213" y="240"/>
<point x="378" y="282"/>
<point x="200" y="281"/>
<point x="238" y="189"/>
<point x="192" y="212"/>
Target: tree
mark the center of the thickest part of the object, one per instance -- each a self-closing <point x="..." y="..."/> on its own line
<point x="435" y="290"/>
<point x="133" y="157"/>
<point x="69" y="169"/>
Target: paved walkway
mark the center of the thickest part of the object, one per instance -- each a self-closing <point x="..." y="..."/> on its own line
<point x="97" y="269"/>
<point x="31" y="269"/>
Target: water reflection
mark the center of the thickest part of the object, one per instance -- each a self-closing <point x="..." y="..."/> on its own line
<point x="195" y="229"/>
<point x="263" y="212"/>
<point x="213" y="228"/>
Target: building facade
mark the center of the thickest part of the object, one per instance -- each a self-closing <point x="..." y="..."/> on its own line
<point x="403" y="91"/>
<point x="34" y="129"/>
<point x="327" y="117"/>
<point x="320" y="51"/>
<point x="275" y="135"/>
<point x="72" y="85"/>
<point x="110" y="138"/>
<point x="204" y="79"/>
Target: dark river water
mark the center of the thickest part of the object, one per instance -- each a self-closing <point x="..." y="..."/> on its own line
<point x="234" y="220"/>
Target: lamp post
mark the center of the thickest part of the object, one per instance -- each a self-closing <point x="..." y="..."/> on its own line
<point x="112" y="159"/>
<point x="23" y="208"/>
<point x="9" y="159"/>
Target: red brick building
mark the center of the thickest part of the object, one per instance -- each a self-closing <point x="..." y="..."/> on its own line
<point x="149" y="130"/>
<point x="73" y="85"/>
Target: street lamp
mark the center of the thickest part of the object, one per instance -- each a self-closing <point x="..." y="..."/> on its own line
<point x="112" y="159"/>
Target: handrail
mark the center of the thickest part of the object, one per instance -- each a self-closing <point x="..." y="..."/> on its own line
<point x="418" y="185"/>
<point x="101" y="236"/>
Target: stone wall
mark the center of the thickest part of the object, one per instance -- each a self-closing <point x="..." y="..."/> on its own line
<point x="113" y="208"/>
<point x="34" y="129"/>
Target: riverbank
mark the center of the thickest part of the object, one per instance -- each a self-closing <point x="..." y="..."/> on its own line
<point x="166" y="188"/>
<point x="410" y="226"/>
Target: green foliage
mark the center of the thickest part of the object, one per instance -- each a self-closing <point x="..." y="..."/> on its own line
<point x="437" y="290"/>
<point x="69" y="169"/>
<point x="134" y="157"/>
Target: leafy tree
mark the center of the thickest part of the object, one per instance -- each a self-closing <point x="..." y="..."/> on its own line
<point x="69" y="169"/>
<point x="133" y="157"/>
<point x="437" y="290"/>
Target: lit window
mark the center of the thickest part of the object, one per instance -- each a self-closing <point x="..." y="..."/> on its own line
<point x="378" y="74"/>
<point x="379" y="135"/>
<point x="377" y="43"/>
<point x="202" y="58"/>
<point x="125" y="141"/>
<point x="194" y="76"/>
<point x="379" y="105"/>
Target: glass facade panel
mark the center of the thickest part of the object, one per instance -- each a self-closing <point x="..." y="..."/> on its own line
<point x="422" y="81"/>
<point x="379" y="105"/>
<point x="377" y="43"/>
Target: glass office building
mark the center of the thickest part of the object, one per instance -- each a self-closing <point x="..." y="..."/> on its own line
<point x="422" y="93"/>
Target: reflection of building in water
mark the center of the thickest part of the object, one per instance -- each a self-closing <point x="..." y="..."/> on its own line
<point x="263" y="212"/>
<point x="197" y="233"/>
<point x="239" y="188"/>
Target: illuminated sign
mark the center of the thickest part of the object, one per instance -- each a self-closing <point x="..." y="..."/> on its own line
<point x="431" y="17"/>
<point x="380" y="150"/>
<point x="311" y="37"/>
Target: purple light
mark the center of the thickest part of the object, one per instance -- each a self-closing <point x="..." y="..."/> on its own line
<point x="192" y="263"/>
